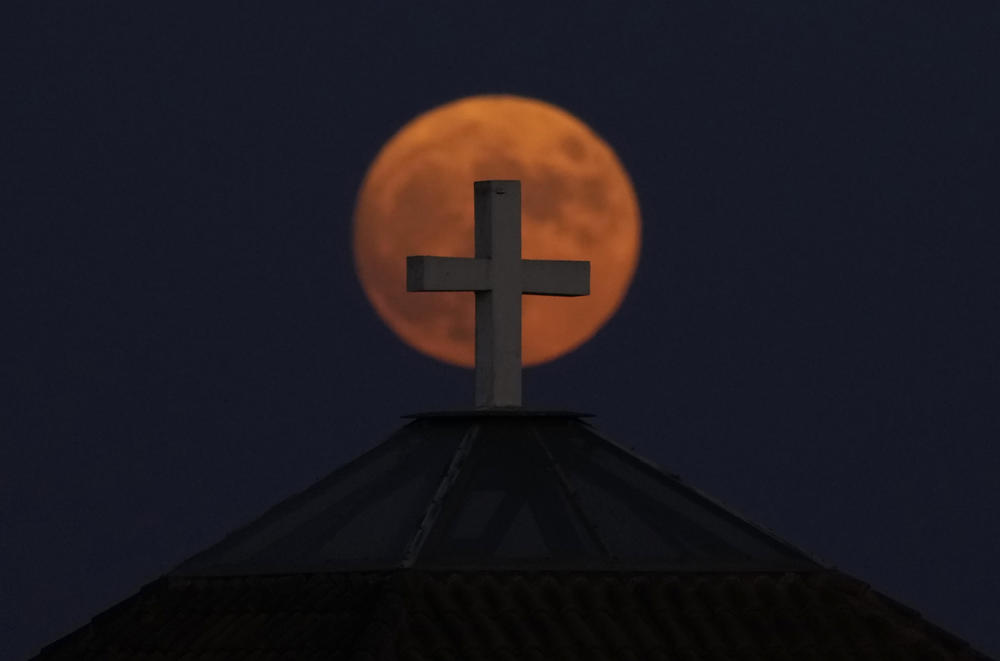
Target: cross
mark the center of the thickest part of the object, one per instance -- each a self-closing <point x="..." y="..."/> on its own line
<point x="499" y="276"/>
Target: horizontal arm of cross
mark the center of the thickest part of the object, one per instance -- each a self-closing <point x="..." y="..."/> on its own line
<point x="425" y="273"/>
<point x="554" y="277"/>
<point x="549" y="277"/>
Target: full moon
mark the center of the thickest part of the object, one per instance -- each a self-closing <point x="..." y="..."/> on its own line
<point x="417" y="199"/>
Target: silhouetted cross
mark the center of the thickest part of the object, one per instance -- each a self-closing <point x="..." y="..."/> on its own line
<point x="499" y="276"/>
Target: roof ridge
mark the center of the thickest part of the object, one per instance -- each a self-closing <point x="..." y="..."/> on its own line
<point x="80" y="633"/>
<point x="433" y="511"/>
<point x="862" y="589"/>
<point x="714" y="502"/>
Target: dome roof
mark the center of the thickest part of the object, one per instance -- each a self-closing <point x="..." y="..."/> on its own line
<point x="517" y="535"/>
<point x="488" y="490"/>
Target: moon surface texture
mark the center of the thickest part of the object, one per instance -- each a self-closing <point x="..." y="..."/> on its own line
<point x="417" y="199"/>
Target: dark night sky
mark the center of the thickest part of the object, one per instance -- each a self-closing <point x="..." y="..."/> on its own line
<point x="811" y="336"/>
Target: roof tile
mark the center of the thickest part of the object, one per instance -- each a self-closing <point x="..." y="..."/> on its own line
<point x="421" y="616"/>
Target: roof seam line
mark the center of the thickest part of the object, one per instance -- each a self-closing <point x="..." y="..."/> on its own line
<point x="444" y="488"/>
<point x="572" y="496"/>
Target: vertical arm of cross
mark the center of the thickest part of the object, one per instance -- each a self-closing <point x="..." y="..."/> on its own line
<point x="498" y="309"/>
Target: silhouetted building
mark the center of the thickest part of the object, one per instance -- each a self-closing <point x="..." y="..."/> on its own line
<point x="505" y="535"/>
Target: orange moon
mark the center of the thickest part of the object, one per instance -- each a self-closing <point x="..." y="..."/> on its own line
<point x="417" y="199"/>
